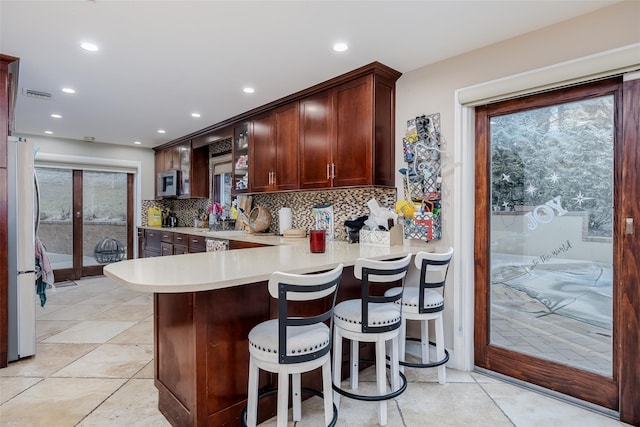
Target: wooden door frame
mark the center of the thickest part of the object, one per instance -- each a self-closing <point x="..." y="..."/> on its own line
<point x="78" y="270"/>
<point x="585" y="385"/>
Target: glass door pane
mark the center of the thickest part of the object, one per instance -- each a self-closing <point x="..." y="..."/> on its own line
<point x="104" y="217"/>
<point x="56" y="206"/>
<point x="551" y="233"/>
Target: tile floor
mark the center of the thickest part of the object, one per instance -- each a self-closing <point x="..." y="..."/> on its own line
<point x="94" y="367"/>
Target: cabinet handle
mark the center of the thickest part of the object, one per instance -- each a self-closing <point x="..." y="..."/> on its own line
<point x="194" y="241"/>
<point x="333" y="170"/>
<point x="328" y="171"/>
<point x="273" y="178"/>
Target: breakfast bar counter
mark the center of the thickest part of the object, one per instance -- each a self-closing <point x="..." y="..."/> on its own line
<point x="205" y="304"/>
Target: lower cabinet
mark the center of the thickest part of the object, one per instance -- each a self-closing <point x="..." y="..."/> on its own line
<point x="163" y="242"/>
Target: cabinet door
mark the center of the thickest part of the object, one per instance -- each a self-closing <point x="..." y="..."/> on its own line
<point x="166" y="248"/>
<point x="240" y="159"/>
<point x="184" y="164"/>
<point x="263" y="154"/>
<point x="286" y="121"/>
<point x="316" y="138"/>
<point x="352" y="151"/>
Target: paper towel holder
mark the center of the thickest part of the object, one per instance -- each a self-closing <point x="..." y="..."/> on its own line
<point x="284" y="220"/>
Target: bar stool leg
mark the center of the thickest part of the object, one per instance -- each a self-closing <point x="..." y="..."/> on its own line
<point x="295" y="397"/>
<point x="381" y="380"/>
<point x="337" y="364"/>
<point x="355" y="363"/>
<point x="424" y="340"/>
<point x="283" y="399"/>
<point x="252" y="398"/>
<point x="442" y="375"/>
<point x="327" y="391"/>
<point x="402" y="345"/>
<point x="395" y="366"/>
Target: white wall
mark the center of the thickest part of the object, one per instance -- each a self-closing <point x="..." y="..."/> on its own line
<point x="72" y="147"/>
<point x="431" y="89"/>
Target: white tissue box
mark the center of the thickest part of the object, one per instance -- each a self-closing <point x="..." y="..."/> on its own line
<point x="383" y="238"/>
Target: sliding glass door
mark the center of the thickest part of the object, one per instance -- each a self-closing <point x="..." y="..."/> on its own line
<point x="86" y="219"/>
<point x="546" y="241"/>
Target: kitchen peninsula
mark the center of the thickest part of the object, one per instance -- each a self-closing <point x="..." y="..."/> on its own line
<point x="204" y="307"/>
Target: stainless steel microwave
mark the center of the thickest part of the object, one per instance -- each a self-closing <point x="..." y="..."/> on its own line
<point x="169" y="183"/>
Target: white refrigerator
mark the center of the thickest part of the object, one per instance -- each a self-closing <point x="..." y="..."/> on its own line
<point x="21" y="234"/>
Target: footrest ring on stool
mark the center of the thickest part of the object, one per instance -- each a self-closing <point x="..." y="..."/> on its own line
<point x="243" y="414"/>
<point x="426" y="365"/>
<point x="375" y="398"/>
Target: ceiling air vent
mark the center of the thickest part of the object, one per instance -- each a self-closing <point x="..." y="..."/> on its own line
<point x="36" y="94"/>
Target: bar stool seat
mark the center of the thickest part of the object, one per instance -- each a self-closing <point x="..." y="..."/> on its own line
<point x="372" y="318"/>
<point x="425" y="303"/>
<point x="293" y="343"/>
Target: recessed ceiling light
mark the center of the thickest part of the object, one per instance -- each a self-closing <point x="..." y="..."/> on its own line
<point x="137" y="142"/>
<point x="91" y="47"/>
<point x="56" y="116"/>
<point x="161" y="131"/>
<point x="48" y="132"/>
<point x="196" y="115"/>
<point x="340" y="47"/>
<point x="248" y="90"/>
<point x="68" y="90"/>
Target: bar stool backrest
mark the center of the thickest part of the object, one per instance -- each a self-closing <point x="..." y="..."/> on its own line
<point x="287" y="287"/>
<point x="433" y="275"/>
<point x="370" y="271"/>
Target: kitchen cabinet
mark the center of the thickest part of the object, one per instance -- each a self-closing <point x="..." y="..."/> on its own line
<point x="274" y="141"/>
<point x="6" y="122"/>
<point x="152" y="244"/>
<point x="193" y="165"/>
<point x="347" y="134"/>
<point x="164" y="241"/>
<point x="237" y="244"/>
<point x="240" y="154"/>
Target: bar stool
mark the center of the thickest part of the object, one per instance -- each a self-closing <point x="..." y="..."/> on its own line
<point x="293" y="344"/>
<point x="374" y="319"/>
<point x="425" y="303"/>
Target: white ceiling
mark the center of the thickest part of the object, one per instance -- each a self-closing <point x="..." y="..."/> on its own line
<point x="159" y="61"/>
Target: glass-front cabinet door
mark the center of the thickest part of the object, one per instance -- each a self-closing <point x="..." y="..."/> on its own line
<point x="241" y="159"/>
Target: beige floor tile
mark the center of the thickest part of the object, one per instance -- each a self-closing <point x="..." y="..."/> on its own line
<point x="49" y="358"/>
<point x="57" y="402"/>
<point x="48" y="328"/>
<point x="109" y="361"/>
<point x="531" y="409"/>
<point x="69" y="298"/>
<point x="115" y="296"/>
<point x="133" y="313"/>
<point x="91" y="331"/>
<point x="48" y="308"/>
<point x="142" y="299"/>
<point x="12" y="386"/>
<point x="451" y="404"/>
<point x="134" y="404"/>
<point x="142" y="333"/>
<point x="76" y="312"/>
<point x="146" y="372"/>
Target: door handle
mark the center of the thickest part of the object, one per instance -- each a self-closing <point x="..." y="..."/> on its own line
<point x="333" y="170"/>
<point x="629" y="226"/>
<point x="328" y="171"/>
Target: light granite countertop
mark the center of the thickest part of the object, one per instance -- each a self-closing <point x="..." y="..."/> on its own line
<point x="217" y="270"/>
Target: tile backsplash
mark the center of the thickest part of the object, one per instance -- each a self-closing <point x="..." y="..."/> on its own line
<point x="348" y="203"/>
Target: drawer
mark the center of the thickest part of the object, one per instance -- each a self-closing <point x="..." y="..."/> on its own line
<point x="167" y="236"/>
<point x="181" y="239"/>
<point x="152" y="239"/>
<point x="166" y="249"/>
<point x="197" y="244"/>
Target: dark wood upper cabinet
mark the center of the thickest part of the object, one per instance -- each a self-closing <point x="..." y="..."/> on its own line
<point x="262" y="153"/>
<point x="353" y="144"/>
<point x="339" y="133"/>
<point x="316" y="136"/>
<point x="286" y="166"/>
<point x="347" y="135"/>
<point x="193" y="165"/>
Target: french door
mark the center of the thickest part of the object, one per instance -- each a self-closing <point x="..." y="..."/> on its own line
<point x="555" y="277"/>
<point x="86" y="217"/>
